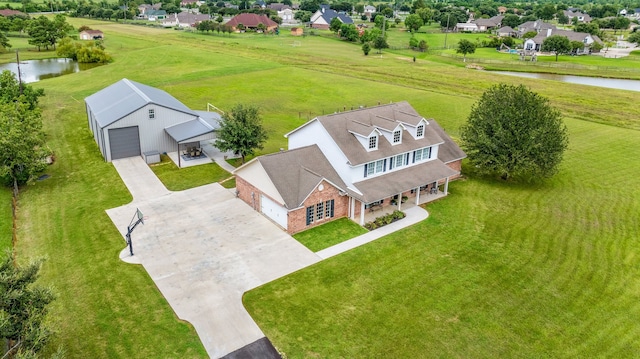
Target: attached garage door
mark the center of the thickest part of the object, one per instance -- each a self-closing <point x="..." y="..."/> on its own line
<point x="274" y="211"/>
<point x="124" y="142"/>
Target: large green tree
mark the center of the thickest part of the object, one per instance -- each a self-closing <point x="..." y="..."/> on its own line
<point x="465" y="47"/>
<point x="413" y="22"/>
<point x="241" y="131"/>
<point x="635" y="38"/>
<point x="556" y="44"/>
<point x="514" y="132"/>
<point x="22" y="140"/>
<point x="23" y="308"/>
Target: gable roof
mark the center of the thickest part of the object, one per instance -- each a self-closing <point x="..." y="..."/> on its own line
<point x="296" y="173"/>
<point x="505" y="29"/>
<point x="251" y="20"/>
<point x="328" y="14"/>
<point x="93" y="32"/>
<point x="125" y="97"/>
<point x="341" y="125"/>
<point x="571" y="35"/>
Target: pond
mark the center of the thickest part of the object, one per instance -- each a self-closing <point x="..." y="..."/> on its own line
<point x="620" y="84"/>
<point x="36" y="70"/>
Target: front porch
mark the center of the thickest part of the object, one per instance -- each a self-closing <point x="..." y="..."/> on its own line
<point x="387" y="207"/>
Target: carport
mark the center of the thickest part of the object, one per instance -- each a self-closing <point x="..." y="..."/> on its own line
<point x="189" y="134"/>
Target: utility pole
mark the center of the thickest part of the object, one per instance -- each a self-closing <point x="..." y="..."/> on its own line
<point x="446" y="31"/>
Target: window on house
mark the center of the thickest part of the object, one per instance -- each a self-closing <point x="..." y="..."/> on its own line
<point x="420" y="131"/>
<point x="397" y="135"/>
<point x="399" y="160"/>
<point x="422" y="154"/>
<point x="320" y="211"/>
<point x="373" y="142"/>
<point x="374" y="167"/>
<point x="328" y="208"/>
<point x="310" y="213"/>
<point x="152" y="114"/>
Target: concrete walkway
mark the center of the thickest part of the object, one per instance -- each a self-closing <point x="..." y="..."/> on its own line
<point x="139" y="179"/>
<point x="414" y="215"/>
<point x="219" y="157"/>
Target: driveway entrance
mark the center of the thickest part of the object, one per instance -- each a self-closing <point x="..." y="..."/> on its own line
<point x="204" y="248"/>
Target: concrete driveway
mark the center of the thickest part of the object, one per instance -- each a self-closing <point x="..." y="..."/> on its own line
<point x="204" y="248"/>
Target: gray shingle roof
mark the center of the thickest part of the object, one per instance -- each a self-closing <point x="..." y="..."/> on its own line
<point x="339" y="124"/>
<point x="449" y="151"/>
<point x="392" y="183"/>
<point x="329" y="14"/>
<point x="295" y="173"/>
<point x="124" y="97"/>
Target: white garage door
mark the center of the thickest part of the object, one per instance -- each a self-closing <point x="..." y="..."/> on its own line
<point x="124" y="142"/>
<point x="274" y="211"/>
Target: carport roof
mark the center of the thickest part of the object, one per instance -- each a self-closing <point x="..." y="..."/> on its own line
<point x="124" y="97"/>
<point x="190" y="129"/>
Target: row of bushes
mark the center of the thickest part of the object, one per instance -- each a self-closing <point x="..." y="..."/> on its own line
<point x="384" y="220"/>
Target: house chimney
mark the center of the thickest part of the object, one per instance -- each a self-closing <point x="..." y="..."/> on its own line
<point x="549" y="30"/>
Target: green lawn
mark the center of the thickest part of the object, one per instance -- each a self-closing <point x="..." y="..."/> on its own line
<point x="178" y="179"/>
<point x="497" y="270"/>
<point x="329" y="234"/>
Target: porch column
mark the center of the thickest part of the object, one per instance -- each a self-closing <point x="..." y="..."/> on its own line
<point x="352" y="211"/>
<point x="399" y="201"/>
<point x="418" y="196"/>
<point x="362" y="213"/>
<point x="446" y="186"/>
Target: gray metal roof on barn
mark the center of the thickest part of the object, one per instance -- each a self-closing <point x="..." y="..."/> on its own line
<point x="125" y="97"/>
<point x="190" y="129"/>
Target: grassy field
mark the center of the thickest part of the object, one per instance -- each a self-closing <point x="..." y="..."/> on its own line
<point x="329" y="234"/>
<point x="497" y="270"/>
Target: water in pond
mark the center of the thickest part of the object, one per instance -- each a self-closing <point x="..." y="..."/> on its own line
<point x="36" y="70"/>
<point x="620" y="84"/>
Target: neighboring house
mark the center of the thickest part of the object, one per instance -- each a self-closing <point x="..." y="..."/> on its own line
<point x="286" y="15"/>
<point x="587" y="39"/>
<point x="130" y="119"/>
<point x="322" y="18"/>
<point x="278" y="6"/>
<point x="369" y="10"/>
<point x="185" y="19"/>
<point x="144" y="8"/>
<point x="577" y="14"/>
<point x="153" y="15"/>
<point x="259" y="4"/>
<point x="9" y="12"/>
<point x="192" y="3"/>
<point x="346" y="164"/>
<point x="91" y="35"/>
<point x="297" y="31"/>
<point x="536" y="26"/>
<point x="502" y="10"/>
<point x="251" y="21"/>
<point x="465" y="27"/>
<point x="506" y="31"/>
<point x="488" y="24"/>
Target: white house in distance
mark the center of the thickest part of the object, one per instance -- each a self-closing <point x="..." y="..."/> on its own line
<point x="535" y="44"/>
<point x="322" y="18"/>
<point x="351" y="163"/>
<point x="91" y="35"/>
<point x="130" y="119"/>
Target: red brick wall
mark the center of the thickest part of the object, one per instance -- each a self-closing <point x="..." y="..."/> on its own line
<point x="244" y="190"/>
<point x="455" y="165"/>
<point x="298" y="218"/>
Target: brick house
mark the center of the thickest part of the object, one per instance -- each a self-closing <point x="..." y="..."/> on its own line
<point x="344" y="164"/>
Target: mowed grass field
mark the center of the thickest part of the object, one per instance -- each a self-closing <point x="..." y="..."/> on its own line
<point x="498" y="269"/>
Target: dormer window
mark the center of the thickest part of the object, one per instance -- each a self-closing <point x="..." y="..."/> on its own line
<point x="397" y="136"/>
<point x="373" y="142"/>
<point x="420" y="131"/>
<point x="152" y="114"/>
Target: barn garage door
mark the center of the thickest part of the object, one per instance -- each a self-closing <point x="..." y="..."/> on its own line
<point x="124" y="142"/>
<point x="274" y="211"/>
